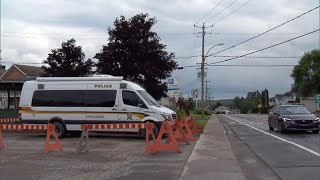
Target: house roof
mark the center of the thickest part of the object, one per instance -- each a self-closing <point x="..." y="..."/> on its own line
<point x="280" y="96"/>
<point x="30" y="71"/>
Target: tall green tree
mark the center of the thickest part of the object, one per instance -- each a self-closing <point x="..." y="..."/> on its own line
<point x="265" y="101"/>
<point x="306" y="74"/>
<point x="135" y="52"/>
<point x="67" y="61"/>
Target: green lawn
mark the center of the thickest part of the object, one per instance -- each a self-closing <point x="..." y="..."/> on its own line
<point x="200" y="120"/>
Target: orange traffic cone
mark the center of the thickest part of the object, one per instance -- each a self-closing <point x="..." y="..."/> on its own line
<point x="51" y="132"/>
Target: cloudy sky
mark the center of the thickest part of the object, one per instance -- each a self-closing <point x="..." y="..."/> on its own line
<point x="30" y="29"/>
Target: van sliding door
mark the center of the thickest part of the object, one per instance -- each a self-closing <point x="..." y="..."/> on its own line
<point x="101" y="106"/>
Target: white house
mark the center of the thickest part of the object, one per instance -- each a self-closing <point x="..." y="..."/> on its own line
<point x="290" y="98"/>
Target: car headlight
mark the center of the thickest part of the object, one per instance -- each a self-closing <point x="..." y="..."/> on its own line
<point x="286" y="119"/>
<point x="317" y="120"/>
<point x="166" y="116"/>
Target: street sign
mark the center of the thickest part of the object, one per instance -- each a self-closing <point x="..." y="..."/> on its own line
<point x="195" y="93"/>
<point x="317" y="98"/>
<point x="259" y="105"/>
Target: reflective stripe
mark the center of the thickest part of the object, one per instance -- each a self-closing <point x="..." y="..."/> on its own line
<point x="114" y="126"/>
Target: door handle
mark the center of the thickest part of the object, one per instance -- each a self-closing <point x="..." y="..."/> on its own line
<point x="114" y="109"/>
<point x="123" y="109"/>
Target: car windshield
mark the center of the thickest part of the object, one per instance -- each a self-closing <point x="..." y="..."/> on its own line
<point x="291" y="110"/>
<point x="146" y="96"/>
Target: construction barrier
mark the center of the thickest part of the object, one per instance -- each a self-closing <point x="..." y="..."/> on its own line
<point x="50" y="128"/>
<point x="84" y="139"/>
<point x="174" y="132"/>
<point x="186" y="128"/>
<point x="156" y="146"/>
<point x="192" y="125"/>
<point x="6" y="120"/>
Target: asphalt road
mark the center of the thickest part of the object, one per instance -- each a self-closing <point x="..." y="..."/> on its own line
<point x="264" y="154"/>
<point x="109" y="157"/>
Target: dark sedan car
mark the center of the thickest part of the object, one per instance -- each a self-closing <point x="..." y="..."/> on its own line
<point x="293" y="117"/>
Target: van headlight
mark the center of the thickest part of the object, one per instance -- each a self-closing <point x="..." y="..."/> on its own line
<point x="317" y="120"/>
<point x="166" y="116"/>
<point x="286" y="119"/>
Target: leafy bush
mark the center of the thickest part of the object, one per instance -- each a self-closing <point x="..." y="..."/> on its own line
<point x="8" y="113"/>
<point x="206" y="111"/>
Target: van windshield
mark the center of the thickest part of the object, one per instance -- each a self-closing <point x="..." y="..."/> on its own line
<point x="150" y="100"/>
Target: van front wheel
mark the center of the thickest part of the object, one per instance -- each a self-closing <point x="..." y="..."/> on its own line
<point x="156" y="130"/>
<point x="60" y="129"/>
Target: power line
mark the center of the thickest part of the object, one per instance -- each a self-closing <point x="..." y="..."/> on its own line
<point x="266" y="47"/>
<point x="59" y="34"/>
<point x="209" y="12"/>
<point x="232" y="12"/>
<point x="265" y="31"/>
<point x="84" y="37"/>
<point x="221" y="11"/>
<point x="21" y="63"/>
<point x="255" y="65"/>
<point x="262" y="57"/>
<point x="218" y="33"/>
<point x="246" y="65"/>
<point x="236" y="57"/>
<point x="267" y="57"/>
<point x="50" y="34"/>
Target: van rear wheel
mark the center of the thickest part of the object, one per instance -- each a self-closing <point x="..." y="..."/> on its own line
<point x="60" y="129"/>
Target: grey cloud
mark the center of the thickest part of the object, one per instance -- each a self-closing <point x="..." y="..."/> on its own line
<point x="174" y="17"/>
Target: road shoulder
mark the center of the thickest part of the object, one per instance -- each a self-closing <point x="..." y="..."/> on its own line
<point x="251" y="164"/>
<point x="212" y="156"/>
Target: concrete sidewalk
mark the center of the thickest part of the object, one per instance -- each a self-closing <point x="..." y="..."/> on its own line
<point x="212" y="156"/>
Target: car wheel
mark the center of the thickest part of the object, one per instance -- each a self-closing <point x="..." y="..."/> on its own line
<point x="156" y="130"/>
<point x="270" y="127"/>
<point x="281" y="127"/>
<point x="60" y="129"/>
<point x="315" y="131"/>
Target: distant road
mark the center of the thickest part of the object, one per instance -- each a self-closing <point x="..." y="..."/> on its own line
<point x="265" y="154"/>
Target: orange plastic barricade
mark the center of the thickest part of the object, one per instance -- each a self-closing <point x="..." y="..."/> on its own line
<point x="34" y="127"/>
<point x="185" y="126"/>
<point x="149" y="132"/>
<point x="51" y="132"/>
<point x="192" y="125"/>
<point x="171" y="143"/>
<point x="178" y="132"/>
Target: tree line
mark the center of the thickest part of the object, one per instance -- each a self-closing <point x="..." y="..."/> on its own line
<point x="133" y="51"/>
<point x="255" y="102"/>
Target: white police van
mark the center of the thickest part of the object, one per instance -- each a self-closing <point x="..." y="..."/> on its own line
<point x="69" y="102"/>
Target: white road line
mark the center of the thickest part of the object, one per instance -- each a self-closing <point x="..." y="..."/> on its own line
<point x="295" y="144"/>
